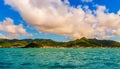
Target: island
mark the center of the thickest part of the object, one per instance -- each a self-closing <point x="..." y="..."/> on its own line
<point x="48" y="43"/>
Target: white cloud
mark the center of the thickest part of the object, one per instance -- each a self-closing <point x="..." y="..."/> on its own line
<point x="119" y="12"/>
<point x="13" y="31"/>
<point x="54" y="16"/>
<point x="2" y="36"/>
<point x="86" y="0"/>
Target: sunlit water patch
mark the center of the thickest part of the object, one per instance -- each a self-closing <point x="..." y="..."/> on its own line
<point x="39" y="58"/>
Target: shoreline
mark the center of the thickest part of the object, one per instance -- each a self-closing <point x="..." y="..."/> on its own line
<point x="44" y="47"/>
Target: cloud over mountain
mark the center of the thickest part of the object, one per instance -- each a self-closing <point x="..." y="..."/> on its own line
<point x="55" y="16"/>
<point x="3" y="36"/>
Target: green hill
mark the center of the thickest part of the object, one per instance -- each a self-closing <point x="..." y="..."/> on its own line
<point x="38" y="43"/>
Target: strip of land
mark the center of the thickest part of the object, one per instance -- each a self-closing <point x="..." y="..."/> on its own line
<point x="48" y="43"/>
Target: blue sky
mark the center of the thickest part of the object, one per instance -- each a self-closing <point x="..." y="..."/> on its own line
<point x="7" y="11"/>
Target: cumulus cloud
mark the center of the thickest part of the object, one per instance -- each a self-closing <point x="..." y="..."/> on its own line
<point x="86" y="0"/>
<point x="3" y="36"/>
<point x="13" y="31"/>
<point x="55" y="16"/>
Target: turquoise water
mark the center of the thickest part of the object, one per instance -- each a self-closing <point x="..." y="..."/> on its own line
<point x="85" y="58"/>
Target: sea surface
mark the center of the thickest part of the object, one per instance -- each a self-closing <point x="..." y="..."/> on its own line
<point x="52" y="58"/>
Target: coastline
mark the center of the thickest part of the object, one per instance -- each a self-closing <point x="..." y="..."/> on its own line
<point x="48" y="43"/>
<point x="58" y="47"/>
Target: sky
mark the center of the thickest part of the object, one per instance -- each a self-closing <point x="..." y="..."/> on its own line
<point x="60" y="20"/>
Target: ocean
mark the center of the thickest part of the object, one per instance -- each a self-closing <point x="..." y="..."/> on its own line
<point x="62" y="58"/>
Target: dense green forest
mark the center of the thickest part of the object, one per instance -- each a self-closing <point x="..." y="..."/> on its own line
<point x="39" y="43"/>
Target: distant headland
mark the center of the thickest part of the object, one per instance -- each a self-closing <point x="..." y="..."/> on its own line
<point x="48" y="43"/>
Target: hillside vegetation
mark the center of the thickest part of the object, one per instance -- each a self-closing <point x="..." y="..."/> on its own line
<point x="38" y="43"/>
